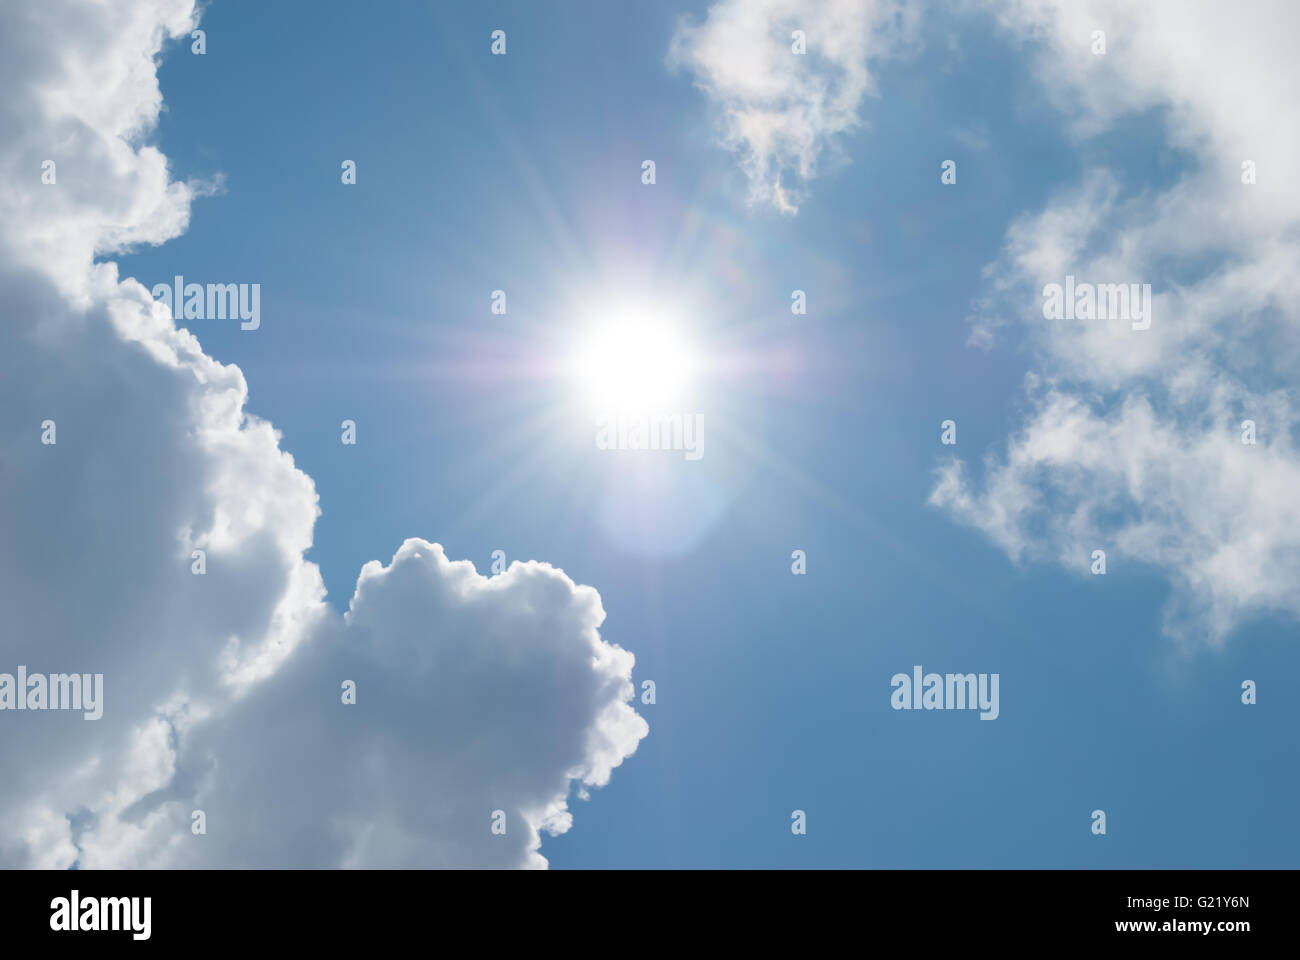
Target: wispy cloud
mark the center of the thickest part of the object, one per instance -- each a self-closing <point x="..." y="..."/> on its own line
<point x="1133" y="442"/>
<point x="778" y="110"/>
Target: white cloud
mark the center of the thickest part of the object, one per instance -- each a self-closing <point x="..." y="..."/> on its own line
<point x="781" y="111"/>
<point x="82" y="91"/>
<point x="222" y="690"/>
<point x="473" y="695"/>
<point x="1133" y="440"/>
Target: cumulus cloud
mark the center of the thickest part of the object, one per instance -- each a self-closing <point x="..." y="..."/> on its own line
<point x="223" y="691"/>
<point x="82" y="91"/>
<point x="1133" y="439"/>
<point x="780" y="112"/>
<point x="474" y="695"/>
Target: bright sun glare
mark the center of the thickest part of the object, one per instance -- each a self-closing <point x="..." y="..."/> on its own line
<point x="635" y="364"/>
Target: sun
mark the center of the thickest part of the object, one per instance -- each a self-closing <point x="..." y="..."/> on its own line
<point x="634" y="363"/>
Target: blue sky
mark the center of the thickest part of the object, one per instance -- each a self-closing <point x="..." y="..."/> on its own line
<point x="522" y="172"/>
